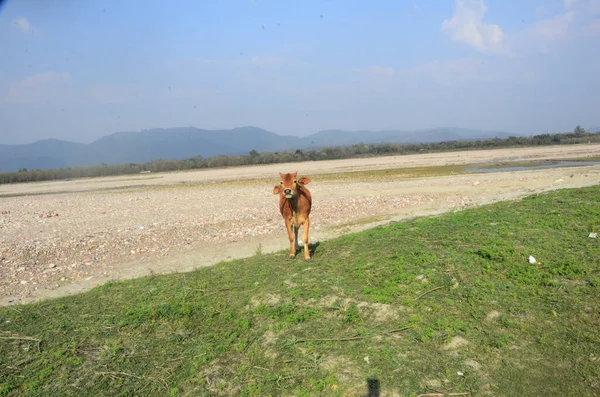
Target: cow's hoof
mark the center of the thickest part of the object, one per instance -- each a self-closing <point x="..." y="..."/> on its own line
<point x="308" y="259"/>
<point x="291" y="257"/>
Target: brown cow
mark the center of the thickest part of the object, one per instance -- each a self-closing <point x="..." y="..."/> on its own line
<point x="294" y="204"/>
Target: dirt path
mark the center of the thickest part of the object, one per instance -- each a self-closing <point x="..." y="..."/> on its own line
<point x="63" y="237"/>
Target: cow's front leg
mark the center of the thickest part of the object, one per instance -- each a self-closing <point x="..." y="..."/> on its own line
<point x="305" y="239"/>
<point x="296" y="246"/>
<point x="288" y="226"/>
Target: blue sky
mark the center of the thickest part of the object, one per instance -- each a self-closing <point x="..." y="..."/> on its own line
<point x="78" y="70"/>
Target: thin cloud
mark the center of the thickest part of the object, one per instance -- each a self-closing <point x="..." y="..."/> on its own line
<point x="593" y="29"/>
<point x="454" y="71"/>
<point x="467" y="26"/>
<point x="580" y="18"/>
<point x="540" y="11"/>
<point x="384" y="71"/>
<point x="23" y="25"/>
<point x="266" y="61"/>
<point x="544" y="35"/>
<point x="42" y="87"/>
<point x="441" y="72"/>
<point x="106" y="94"/>
<point x="46" y="79"/>
<point x="244" y="62"/>
<point x="593" y="6"/>
<point x="554" y="28"/>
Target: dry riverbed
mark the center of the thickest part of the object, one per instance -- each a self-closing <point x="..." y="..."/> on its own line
<point x="63" y="237"/>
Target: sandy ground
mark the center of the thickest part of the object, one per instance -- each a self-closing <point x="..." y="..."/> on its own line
<point x="59" y="238"/>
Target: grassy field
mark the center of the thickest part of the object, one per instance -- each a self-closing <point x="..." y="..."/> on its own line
<point x="447" y="305"/>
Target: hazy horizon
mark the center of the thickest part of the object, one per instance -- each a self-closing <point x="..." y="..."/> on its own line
<point x="78" y="71"/>
<point x="282" y="134"/>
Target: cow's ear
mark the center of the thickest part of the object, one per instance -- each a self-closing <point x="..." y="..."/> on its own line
<point x="276" y="189"/>
<point x="304" y="180"/>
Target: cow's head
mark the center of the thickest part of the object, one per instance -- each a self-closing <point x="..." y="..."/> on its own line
<point x="289" y="184"/>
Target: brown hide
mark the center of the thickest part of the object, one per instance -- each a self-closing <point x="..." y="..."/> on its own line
<point x="294" y="204"/>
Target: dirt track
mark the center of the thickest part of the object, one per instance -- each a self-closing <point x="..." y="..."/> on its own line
<point x="58" y="238"/>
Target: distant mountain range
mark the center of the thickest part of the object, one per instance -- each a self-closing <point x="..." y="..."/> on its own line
<point x="187" y="142"/>
<point x="593" y="129"/>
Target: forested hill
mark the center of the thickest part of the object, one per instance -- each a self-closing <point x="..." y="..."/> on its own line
<point x="327" y="153"/>
<point x="181" y="143"/>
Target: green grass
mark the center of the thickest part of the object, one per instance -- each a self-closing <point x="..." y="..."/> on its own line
<point x="444" y="304"/>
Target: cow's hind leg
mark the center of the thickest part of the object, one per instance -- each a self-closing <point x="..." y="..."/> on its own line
<point x="305" y="239"/>
<point x="296" y="246"/>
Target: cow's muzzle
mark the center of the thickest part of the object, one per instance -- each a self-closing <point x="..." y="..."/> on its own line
<point x="287" y="193"/>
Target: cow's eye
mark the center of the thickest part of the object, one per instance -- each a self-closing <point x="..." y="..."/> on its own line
<point x="295" y="182"/>
<point x="281" y="183"/>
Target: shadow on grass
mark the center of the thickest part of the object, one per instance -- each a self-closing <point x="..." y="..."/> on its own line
<point x="312" y="248"/>
<point x="373" y="387"/>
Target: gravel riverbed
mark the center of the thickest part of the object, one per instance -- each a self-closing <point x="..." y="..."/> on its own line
<point x="67" y="236"/>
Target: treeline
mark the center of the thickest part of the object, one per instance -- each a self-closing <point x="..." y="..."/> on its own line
<point x="330" y="153"/>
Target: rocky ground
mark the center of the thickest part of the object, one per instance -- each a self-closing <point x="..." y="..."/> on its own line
<point x="62" y="237"/>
